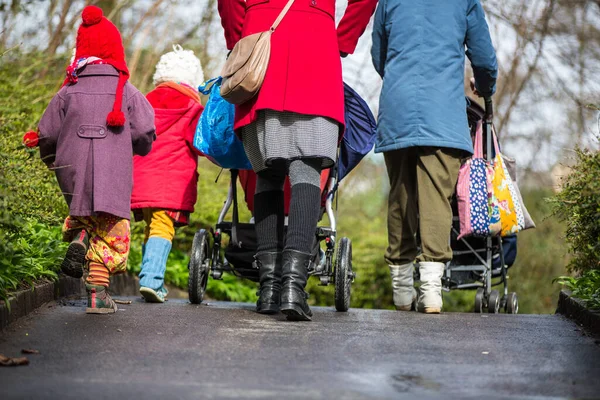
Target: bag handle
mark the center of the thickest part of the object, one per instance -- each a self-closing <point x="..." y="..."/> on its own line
<point x="203" y="88"/>
<point x="478" y="146"/>
<point x="281" y="15"/>
<point x="496" y="146"/>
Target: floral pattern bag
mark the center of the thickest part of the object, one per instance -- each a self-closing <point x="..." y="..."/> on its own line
<point x="505" y="199"/>
<point x="473" y="194"/>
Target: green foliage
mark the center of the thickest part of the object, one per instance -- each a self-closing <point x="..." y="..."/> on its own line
<point x="578" y="205"/>
<point x="585" y="287"/>
<point x="31" y="205"/>
<point x="27" y="187"/>
<point x="29" y="252"/>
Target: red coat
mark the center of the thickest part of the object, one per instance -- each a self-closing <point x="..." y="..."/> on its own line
<point x="305" y="70"/>
<point x="167" y="177"/>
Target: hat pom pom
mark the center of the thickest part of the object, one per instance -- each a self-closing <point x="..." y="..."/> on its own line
<point x="31" y="139"/>
<point x="91" y="15"/>
<point x="116" y="118"/>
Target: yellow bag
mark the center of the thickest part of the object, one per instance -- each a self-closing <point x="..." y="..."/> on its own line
<point x="505" y="202"/>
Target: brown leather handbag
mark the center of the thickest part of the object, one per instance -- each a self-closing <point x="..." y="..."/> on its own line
<point x="244" y="71"/>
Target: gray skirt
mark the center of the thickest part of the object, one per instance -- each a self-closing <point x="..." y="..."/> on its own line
<point x="287" y="136"/>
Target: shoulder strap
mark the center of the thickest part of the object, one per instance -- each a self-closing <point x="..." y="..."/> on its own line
<point x="281" y="15"/>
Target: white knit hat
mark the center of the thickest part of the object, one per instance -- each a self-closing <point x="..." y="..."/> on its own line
<point x="180" y="66"/>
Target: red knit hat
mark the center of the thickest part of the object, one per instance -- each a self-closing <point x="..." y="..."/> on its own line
<point x="98" y="37"/>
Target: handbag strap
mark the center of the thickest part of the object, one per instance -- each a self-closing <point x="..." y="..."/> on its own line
<point x="281" y="15"/>
<point x="478" y="146"/>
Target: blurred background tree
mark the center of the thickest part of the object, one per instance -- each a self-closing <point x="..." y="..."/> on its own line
<point x="549" y="55"/>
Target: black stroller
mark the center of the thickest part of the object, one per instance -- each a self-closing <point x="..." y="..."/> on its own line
<point x="331" y="265"/>
<point x="482" y="263"/>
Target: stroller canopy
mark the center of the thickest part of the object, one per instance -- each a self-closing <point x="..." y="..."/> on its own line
<point x="359" y="137"/>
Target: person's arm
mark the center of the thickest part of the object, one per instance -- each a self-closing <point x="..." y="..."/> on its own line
<point x="49" y="128"/>
<point x="481" y="51"/>
<point x="232" y="13"/>
<point x="380" y="39"/>
<point x="141" y="123"/>
<point x="353" y="24"/>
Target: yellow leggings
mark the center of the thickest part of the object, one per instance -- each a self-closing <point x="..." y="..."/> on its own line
<point x="158" y="224"/>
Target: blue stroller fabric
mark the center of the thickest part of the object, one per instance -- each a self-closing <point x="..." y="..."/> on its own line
<point x="214" y="136"/>
<point x="359" y="137"/>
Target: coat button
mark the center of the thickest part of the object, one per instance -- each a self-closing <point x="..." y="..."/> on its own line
<point x="313" y="2"/>
<point x="101" y="132"/>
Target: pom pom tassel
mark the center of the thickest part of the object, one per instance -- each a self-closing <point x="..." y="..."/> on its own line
<point x="115" y="118"/>
<point x="31" y="139"/>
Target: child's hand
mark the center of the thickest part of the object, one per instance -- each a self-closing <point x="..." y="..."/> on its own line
<point x="473" y="88"/>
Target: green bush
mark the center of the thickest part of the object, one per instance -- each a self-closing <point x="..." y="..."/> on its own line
<point x="31" y="204"/>
<point x="585" y="287"/>
<point x="29" y="253"/>
<point x="578" y="205"/>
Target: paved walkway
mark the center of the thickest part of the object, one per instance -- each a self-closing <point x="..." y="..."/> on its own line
<point x="225" y="350"/>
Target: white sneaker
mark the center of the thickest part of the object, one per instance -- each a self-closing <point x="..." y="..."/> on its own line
<point x="403" y="286"/>
<point x="430" y="298"/>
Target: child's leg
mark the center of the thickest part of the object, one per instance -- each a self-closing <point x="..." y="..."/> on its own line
<point x="74" y="231"/>
<point x="107" y="255"/>
<point x="161" y="231"/>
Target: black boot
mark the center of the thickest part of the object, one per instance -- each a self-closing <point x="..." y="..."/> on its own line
<point x="293" y="296"/>
<point x="269" y="272"/>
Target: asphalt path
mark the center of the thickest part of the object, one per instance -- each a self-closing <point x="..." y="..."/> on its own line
<point x="225" y="350"/>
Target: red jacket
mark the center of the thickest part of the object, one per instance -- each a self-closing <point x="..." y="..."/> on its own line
<point x="167" y="177"/>
<point x="305" y="70"/>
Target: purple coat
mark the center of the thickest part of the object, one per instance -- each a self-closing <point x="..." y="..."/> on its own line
<point x="94" y="162"/>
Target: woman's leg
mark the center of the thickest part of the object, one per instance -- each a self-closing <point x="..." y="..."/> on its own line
<point x="305" y="208"/>
<point x="269" y="223"/>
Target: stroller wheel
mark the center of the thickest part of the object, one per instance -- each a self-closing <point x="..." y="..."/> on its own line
<point x="343" y="275"/>
<point x="479" y="301"/>
<point x="494" y="302"/>
<point x="199" y="267"/>
<point x="512" y="303"/>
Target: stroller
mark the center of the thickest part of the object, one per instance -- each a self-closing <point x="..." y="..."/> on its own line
<point x="333" y="265"/>
<point x="482" y="263"/>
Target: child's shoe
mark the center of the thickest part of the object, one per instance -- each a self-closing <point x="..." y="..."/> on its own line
<point x="99" y="301"/>
<point x="154" y="296"/>
<point x="74" y="260"/>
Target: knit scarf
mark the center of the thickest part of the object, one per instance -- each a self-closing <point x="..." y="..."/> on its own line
<point x="77" y="65"/>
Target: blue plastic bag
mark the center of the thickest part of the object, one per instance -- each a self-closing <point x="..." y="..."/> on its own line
<point x="214" y="136"/>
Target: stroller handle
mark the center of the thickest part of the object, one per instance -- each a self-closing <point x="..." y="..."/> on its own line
<point x="489" y="109"/>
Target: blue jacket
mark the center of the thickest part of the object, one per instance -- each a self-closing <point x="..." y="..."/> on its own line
<point x="419" y="51"/>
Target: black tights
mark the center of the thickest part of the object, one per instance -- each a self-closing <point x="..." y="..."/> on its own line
<point x="305" y="206"/>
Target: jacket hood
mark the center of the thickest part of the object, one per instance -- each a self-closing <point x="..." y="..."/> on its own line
<point x="172" y="107"/>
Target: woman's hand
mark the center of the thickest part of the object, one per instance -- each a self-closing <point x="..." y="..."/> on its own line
<point x="473" y="88"/>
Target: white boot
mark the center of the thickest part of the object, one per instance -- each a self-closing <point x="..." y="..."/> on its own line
<point x="430" y="299"/>
<point x="403" y="286"/>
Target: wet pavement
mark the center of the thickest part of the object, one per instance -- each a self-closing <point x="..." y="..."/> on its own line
<point x="225" y="350"/>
